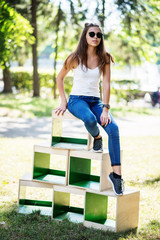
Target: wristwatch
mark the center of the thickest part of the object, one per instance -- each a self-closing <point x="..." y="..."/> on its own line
<point x="106" y="105"/>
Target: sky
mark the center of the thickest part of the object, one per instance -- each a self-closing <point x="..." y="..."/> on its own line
<point x="113" y="16"/>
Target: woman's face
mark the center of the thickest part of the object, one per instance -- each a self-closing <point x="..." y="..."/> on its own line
<point x="93" y="41"/>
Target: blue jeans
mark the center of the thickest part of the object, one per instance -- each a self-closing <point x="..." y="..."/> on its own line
<point x="89" y="110"/>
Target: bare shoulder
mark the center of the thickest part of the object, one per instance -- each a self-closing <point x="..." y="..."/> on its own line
<point x="71" y="62"/>
<point x="109" y="58"/>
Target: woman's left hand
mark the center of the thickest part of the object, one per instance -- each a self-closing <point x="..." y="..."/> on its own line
<point x="105" y="118"/>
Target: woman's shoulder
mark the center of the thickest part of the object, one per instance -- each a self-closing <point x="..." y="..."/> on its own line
<point x="72" y="61"/>
<point x="109" y="58"/>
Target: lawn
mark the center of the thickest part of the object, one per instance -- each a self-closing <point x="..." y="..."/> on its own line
<point x="141" y="170"/>
<point x="23" y="105"/>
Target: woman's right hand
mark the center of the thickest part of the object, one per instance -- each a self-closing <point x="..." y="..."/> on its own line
<point x="61" y="109"/>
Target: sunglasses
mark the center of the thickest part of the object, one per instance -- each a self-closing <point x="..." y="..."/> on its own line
<point x="98" y="34"/>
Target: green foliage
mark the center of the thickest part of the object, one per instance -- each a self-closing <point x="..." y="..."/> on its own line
<point x="125" y="89"/>
<point x="23" y="105"/>
<point x="137" y="38"/>
<point x="15" y="30"/>
<point x="24" y="80"/>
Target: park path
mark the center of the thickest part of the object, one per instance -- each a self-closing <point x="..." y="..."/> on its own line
<point x="41" y="127"/>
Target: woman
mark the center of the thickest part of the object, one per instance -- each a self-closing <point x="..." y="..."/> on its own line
<point x="88" y="62"/>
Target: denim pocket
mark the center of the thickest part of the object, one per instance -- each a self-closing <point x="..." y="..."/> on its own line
<point x="72" y="101"/>
<point x="69" y="101"/>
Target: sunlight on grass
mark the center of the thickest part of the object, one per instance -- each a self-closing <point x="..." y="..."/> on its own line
<point x="141" y="170"/>
<point x="23" y="105"/>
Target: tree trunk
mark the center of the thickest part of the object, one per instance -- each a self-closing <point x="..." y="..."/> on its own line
<point x="55" y="65"/>
<point x="102" y="26"/>
<point x="56" y="51"/>
<point x="7" y="81"/>
<point x="34" y="51"/>
<point x="103" y="15"/>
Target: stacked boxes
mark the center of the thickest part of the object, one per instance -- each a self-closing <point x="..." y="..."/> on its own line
<point x="74" y="182"/>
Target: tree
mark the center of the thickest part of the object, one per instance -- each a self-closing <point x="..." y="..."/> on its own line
<point x="38" y="7"/>
<point x="58" y="18"/>
<point x="62" y="25"/>
<point x="137" y="38"/>
<point x="14" y="31"/>
<point x="31" y="10"/>
<point x="34" y="50"/>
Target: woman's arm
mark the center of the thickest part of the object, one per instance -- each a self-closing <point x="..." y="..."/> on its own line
<point x="106" y="85"/>
<point x="105" y="118"/>
<point x="60" y="84"/>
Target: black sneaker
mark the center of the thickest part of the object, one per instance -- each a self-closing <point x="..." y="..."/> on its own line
<point x="117" y="184"/>
<point x="97" y="145"/>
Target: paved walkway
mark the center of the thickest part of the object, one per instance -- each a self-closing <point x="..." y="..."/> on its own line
<point x="41" y="127"/>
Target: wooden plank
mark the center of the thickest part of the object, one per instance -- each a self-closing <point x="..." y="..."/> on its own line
<point x="104" y="172"/>
<point x="27" y="180"/>
<point x="19" y="189"/>
<point x="106" y="169"/>
<point x="89" y="154"/>
<point x="66" y="115"/>
<point x="67" y="168"/>
<point x="110" y="226"/>
<point x="27" y="176"/>
<point x="35" y="183"/>
<point x="45" y="148"/>
<point x="57" y="126"/>
<point x="90" y="142"/>
<point x="127" y="213"/>
<point x="69" y="189"/>
<point x="110" y="192"/>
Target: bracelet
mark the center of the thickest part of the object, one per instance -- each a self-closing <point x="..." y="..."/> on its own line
<point x="106" y="105"/>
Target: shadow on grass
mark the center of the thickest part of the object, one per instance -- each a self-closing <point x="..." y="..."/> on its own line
<point x="146" y="182"/>
<point x="36" y="227"/>
<point x="152" y="181"/>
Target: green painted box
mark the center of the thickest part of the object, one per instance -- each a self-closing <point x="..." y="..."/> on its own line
<point x="68" y="204"/>
<point x="89" y="170"/>
<point x="34" y="196"/>
<point x="66" y="136"/>
<point x="50" y="165"/>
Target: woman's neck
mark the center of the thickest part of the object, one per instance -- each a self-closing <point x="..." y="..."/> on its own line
<point x="91" y="51"/>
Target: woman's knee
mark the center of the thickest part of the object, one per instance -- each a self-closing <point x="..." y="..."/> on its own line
<point x="90" y="121"/>
<point x="113" y="129"/>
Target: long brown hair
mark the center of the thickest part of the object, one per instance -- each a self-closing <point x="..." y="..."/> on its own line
<point x="80" y="54"/>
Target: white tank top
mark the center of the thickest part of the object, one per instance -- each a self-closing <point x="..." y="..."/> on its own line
<point x="86" y="83"/>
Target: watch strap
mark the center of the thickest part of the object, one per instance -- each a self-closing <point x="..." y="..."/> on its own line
<point x="106" y="105"/>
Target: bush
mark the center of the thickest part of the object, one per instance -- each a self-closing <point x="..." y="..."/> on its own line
<point x="125" y="89"/>
<point x="24" y="81"/>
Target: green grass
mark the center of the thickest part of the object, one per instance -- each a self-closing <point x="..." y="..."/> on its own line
<point x="141" y="170"/>
<point x="23" y="105"/>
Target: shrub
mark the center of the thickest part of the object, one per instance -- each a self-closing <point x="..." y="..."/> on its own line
<point x="24" y="81"/>
<point x="125" y="89"/>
